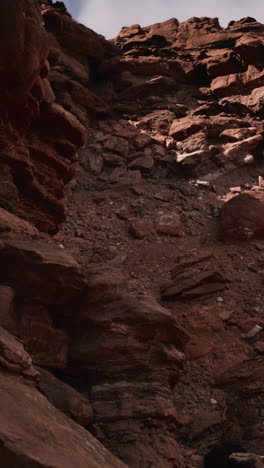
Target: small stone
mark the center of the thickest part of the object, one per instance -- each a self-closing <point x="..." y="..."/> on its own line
<point x="220" y="299"/>
<point x="225" y="314"/>
<point x="169" y="223"/>
<point x="253" y="332"/>
<point x="142" y="227"/>
<point x="235" y="189"/>
<point x="213" y="401"/>
<point x="138" y="189"/>
<point x="203" y="183"/>
<point x="165" y="195"/>
<point x="112" y="249"/>
<point x="252" y="267"/>
<point x="122" y="214"/>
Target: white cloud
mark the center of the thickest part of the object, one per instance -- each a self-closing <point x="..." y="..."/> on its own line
<point x="107" y="17"/>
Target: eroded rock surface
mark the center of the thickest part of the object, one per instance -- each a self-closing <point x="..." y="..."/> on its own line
<point x="33" y="433"/>
<point x="154" y="141"/>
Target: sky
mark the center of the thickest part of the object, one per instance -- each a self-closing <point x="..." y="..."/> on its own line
<point x="107" y="17"/>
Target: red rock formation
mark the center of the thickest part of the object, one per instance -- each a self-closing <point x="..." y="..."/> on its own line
<point x="39" y="138"/>
<point x="173" y="113"/>
<point x="34" y="433"/>
<point x="242" y="217"/>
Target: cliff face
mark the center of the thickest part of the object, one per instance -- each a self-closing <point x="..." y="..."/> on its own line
<point x="141" y="320"/>
<point x="39" y="136"/>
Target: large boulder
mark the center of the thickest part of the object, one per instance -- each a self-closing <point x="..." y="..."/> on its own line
<point x="238" y="83"/>
<point x="242" y="217"/>
<point x="40" y="271"/>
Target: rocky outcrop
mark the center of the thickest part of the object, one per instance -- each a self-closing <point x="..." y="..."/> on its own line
<point x="40" y="137"/>
<point x="131" y="351"/>
<point x="166" y="121"/>
<point x="32" y="430"/>
<point x="34" y="433"/>
<point x="100" y="337"/>
<point x="201" y="58"/>
<point x="193" y="277"/>
<point x="30" y="163"/>
<point x="177" y="91"/>
<point x="89" y="76"/>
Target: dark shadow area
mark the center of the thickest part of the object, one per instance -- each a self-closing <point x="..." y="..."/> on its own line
<point x="258" y="154"/>
<point x="218" y="457"/>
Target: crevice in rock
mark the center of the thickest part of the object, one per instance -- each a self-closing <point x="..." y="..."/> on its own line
<point x="218" y="457"/>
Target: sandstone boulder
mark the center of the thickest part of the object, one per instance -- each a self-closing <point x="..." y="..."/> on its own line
<point x="183" y="128"/>
<point x="47" y="274"/>
<point x="193" y="277"/>
<point x="242" y="217"/>
<point x="242" y="148"/>
<point x="158" y="121"/>
<point x="238" y="83"/>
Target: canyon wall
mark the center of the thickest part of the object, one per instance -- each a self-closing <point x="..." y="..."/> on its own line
<point x="131" y="242"/>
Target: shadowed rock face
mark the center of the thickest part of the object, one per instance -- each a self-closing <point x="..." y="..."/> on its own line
<point x="34" y="434"/>
<point x="39" y="139"/>
<point x="242" y="217"/>
<point x="29" y="160"/>
<point x="125" y="351"/>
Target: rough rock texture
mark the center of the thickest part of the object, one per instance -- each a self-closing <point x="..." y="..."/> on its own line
<point x="147" y="329"/>
<point x="34" y="434"/>
<point x="65" y="398"/>
<point x="39" y="137"/>
<point x="14" y="358"/>
<point x="192" y="278"/>
<point x="248" y="459"/>
<point x="130" y="350"/>
<point x="242" y="217"/>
